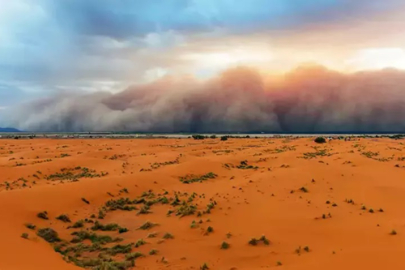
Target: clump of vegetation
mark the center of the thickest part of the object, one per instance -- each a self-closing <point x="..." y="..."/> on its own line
<point x="198" y="137"/>
<point x="191" y="178"/>
<point x="168" y="236"/>
<point x="43" y="215"/>
<point x="85" y="201"/>
<point x="204" y="267"/>
<point x="144" y="210"/>
<point x="107" y="227"/>
<point x="93" y="237"/>
<point x="73" y="174"/>
<point x="139" y="243"/>
<point x="186" y="209"/>
<point x="147" y="225"/>
<point x="151" y="235"/>
<point x="255" y="242"/>
<point x="393" y="232"/>
<point x="122" y="230"/>
<point x="224" y="245"/>
<point x="320" y="140"/>
<point x="63" y="218"/>
<point x="245" y="166"/>
<point x="224" y="138"/>
<point x="78" y="224"/>
<point x="153" y="252"/>
<point x="48" y="235"/>
<point x="119" y="249"/>
<point x="310" y="155"/>
<point x="124" y="204"/>
<point x="304" y="189"/>
<point x="193" y="224"/>
<point x="30" y="226"/>
<point x="349" y="201"/>
<point x="24" y="235"/>
<point x="133" y="256"/>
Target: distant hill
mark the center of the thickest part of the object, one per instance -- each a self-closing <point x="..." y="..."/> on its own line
<point x="9" y="130"/>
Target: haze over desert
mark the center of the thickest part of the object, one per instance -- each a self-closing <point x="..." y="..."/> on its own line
<point x="187" y="204"/>
<point x="202" y="134"/>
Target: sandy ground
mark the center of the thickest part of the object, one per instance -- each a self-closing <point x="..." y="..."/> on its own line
<point x="320" y="206"/>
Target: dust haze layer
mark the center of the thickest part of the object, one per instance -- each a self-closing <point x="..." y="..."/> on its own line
<point x="307" y="99"/>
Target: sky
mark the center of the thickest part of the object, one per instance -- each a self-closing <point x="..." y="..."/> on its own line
<point x="70" y="47"/>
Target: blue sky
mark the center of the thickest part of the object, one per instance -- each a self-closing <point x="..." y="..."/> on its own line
<point x="49" y="46"/>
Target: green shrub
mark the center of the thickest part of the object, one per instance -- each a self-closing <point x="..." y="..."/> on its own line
<point x="43" y="215"/>
<point x="320" y="140"/>
<point x="48" y="235"/>
<point x="63" y="218"/>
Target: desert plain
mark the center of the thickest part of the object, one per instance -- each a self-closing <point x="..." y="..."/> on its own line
<point x="251" y="203"/>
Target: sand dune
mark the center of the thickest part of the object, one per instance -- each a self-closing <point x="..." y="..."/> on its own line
<point x="319" y="206"/>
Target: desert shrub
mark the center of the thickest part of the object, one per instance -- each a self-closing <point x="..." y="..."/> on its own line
<point x="30" y="226"/>
<point x="85" y="200"/>
<point x="198" y="137"/>
<point x="191" y="178"/>
<point x="48" y="235"/>
<point x="168" y="236"/>
<point x="122" y="230"/>
<point x="63" y="218"/>
<point x="24" y="235"/>
<point x="153" y="252"/>
<point x="107" y="227"/>
<point x="224" y="138"/>
<point x="139" y="243"/>
<point x="133" y="256"/>
<point x="43" y="215"/>
<point x="119" y="249"/>
<point x="224" y="245"/>
<point x="78" y="224"/>
<point x="304" y="189"/>
<point x="320" y="140"/>
<point x="147" y="225"/>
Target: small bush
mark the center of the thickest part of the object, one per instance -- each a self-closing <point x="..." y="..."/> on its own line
<point x="43" y="215"/>
<point x="393" y="232"/>
<point x="147" y="225"/>
<point x="304" y="189"/>
<point x="122" y="230"/>
<point x="139" y="243"/>
<point x="204" y="267"/>
<point x="133" y="256"/>
<point x="253" y="242"/>
<point x="24" y="235"/>
<point x="224" y="245"/>
<point x="63" y="218"/>
<point x="48" y="235"/>
<point x="168" y="236"/>
<point x="78" y="224"/>
<point x="30" y="226"/>
<point x="320" y="140"/>
<point x="86" y="201"/>
<point x="198" y="137"/>
<point x="153" y="252"/>
<point x="224" y="138"/>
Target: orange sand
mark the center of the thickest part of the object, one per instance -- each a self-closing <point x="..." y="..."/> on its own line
<point x="250" y="203"/>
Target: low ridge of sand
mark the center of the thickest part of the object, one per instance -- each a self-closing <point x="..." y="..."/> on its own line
<point x="337" y="205"/>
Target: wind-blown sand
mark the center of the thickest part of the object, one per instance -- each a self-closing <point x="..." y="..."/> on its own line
<point x="284" y="198"/>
